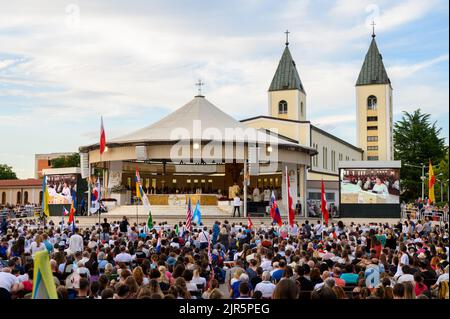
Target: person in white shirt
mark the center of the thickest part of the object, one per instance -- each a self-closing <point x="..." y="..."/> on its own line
<point x="203" y="238"/>
<point x="196" y="279"/>
<point x="75" y="243"/>
<point x="318" y="229"/>
<point x="266" y="264"/>
<point x="266" y="287"/>
<point x="8" y="283"/>
<point x="237" y="206"/>
<point x="405" y="276"/>
<point x="37" y="245"/>
<point x="123" y="257"/>
<point x="380" y="188"/>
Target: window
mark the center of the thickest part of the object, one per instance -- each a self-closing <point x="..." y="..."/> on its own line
<point x="25" y="197"/>
<point x="340" y="156"/>
<point x="301" y="108"/>
<point x="372" y="128"/>
<point x="314" y="158"/>
<point x="372" y="138"/>
<point x="372" y="118"/>
<point x="372" y="158"/>
<point x="347" y="158"/>
<point x="19" y="198"/>
<point x="372" y="148"/>
<point x="3" y="198"/>
<point x="282" y="107"/>
<point x="372" y="102"/>
<point x="325" y="157"/>
<point x="333" y="160"/>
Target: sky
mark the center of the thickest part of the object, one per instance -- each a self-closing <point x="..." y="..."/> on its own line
<point x="63" y="64"/>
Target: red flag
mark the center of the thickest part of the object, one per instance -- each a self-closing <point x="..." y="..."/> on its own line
<point x="249" y="223"/>
<point x="189" y="215"/>
<point x="291" y="210"/>
<point x="102" y="137"/>
<point x="72" y="214"/>
<point x="323" y="205"/>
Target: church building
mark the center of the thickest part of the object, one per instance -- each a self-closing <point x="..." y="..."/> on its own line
<point x="287" y="114"/>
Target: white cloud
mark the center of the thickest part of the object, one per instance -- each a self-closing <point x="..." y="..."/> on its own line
<point x="122" y="61"/>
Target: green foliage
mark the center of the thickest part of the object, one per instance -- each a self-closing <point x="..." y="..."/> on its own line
<point x="66" y="161"/>
<point x="416" y="141"/>
<point x="6" y="172"/>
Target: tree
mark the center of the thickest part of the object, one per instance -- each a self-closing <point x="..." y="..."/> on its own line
<point x="442" y="175"/>
<point x="66" y="161"/>
<point x="416" y="142"/>
<point x="6" y="172"/>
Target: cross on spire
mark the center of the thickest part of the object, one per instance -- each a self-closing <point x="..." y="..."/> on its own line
<point x="287" y="37"/>
<point x="199" y="84"/>
<point x="373" y="29"/>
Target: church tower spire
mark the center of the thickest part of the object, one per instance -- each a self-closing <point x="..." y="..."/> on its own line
<point x="287" y="96"/>
<point x="374" y="107"/>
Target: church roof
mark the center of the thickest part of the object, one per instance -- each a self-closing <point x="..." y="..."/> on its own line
<point x="373" y="71"/>
<point x="286" y="77"/>
<point x="183" y="120"/>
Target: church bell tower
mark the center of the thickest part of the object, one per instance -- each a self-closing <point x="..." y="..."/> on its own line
<point x="287" y="97"/>
<point x="374" y="123"/>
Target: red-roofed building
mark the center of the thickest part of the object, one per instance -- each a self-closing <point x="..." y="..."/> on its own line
<point x="20" y="191"/>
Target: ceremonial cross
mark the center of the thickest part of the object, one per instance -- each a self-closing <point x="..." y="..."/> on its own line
<point x="373" y="29"/>
<point x="287" y="37"/>
<point x="200" y="84"/>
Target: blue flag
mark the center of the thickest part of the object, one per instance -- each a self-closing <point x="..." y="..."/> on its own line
<point x="197" y="216"/>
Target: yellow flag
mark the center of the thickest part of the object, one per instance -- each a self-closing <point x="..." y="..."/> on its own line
<point x="43" y="283"/>
<point x="45" y="198"/>
<point x="431" y="181"/>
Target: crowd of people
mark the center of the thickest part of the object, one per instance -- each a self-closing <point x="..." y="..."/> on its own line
<point x="119" y="260"/>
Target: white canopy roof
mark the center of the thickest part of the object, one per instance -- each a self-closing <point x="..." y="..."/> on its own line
<point x="199" y="119"/>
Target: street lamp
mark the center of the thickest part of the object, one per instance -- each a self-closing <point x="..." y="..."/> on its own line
<point x="422" y="166"/>
<point x="448" y="192"/>
<point x="440" y="180"/>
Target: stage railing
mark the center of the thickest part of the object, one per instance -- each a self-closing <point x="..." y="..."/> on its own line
<point x="415" y="213"/>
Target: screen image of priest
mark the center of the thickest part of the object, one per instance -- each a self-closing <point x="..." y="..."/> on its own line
<point x="370" y="186"/>
<point x="62" y="189"/>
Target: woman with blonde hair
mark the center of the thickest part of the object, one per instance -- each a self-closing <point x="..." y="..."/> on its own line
<point x="196" y="279"/>
<point x="164" y="277"/>
<point x="409" y="290"/>
<point x="190" y="262"/>
<point x="37" y="245"/>
<point x="139" y="276"/>
<point x="237" y="274"/>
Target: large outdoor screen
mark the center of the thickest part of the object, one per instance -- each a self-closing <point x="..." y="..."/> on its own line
<point x="370" y="185"/>
<point x="62" y="189"/>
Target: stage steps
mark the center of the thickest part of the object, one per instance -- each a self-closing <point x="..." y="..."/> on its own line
<point x="168" y="211"/>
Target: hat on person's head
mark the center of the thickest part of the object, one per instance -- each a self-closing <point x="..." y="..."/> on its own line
<point x="171" y="261"/>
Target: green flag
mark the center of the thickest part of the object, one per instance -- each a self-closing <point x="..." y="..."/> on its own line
<point x="177" y="230"/>
<point x="150" y="220"/>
